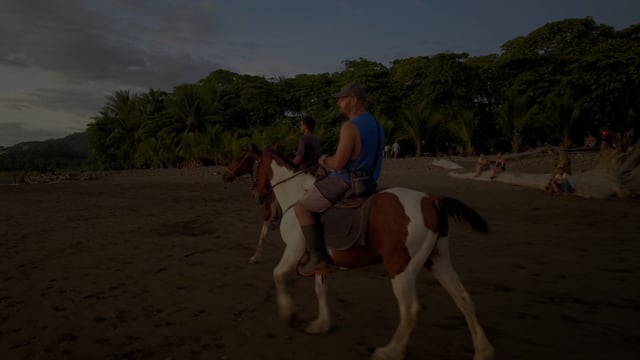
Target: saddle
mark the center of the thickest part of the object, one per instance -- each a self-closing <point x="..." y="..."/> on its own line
<point x="345" y="223"/>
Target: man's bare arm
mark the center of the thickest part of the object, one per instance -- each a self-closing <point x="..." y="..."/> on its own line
<point x="346" y="146"/>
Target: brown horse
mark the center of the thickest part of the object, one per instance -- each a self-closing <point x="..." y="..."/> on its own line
<point x="407" y="231"/>
<point x="271" y="212"/>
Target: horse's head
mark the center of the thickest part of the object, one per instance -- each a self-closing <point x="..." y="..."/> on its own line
<point x="263" y="173"/>
<point x="242" y="164"/>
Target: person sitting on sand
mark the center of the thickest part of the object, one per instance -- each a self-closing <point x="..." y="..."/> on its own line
<point x="563" y="161"/>
<point x="499" y="167"/>
<point x="561" y="182"/>
<point x="589" y="140"/>
<point x="481" y="165"/>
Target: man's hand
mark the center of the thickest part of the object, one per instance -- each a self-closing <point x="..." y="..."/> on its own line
<point x="322" y="160"/>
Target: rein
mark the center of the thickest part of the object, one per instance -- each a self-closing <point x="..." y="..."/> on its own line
<point x="282" y="181"/>
<point x="286" y="179"/>
<point x="273" y="186"/>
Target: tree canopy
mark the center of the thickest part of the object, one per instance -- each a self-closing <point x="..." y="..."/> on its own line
<point x="553" y="85"/>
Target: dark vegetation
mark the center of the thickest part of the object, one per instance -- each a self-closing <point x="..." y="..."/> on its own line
<point x="552" y="86"/>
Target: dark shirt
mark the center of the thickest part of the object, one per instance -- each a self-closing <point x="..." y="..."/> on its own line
<point x="309" y="149"/>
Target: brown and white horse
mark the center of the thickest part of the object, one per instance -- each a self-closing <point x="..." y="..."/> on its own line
<point x="407" y="231"/>
<point x="271" y="211"/>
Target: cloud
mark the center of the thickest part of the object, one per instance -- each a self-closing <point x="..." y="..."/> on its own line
<point x="107" y="43"/>
<point x="74" y="100"/>
<point x="84" y="50"/>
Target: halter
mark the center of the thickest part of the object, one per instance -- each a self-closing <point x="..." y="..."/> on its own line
<point x="233" y="173"/>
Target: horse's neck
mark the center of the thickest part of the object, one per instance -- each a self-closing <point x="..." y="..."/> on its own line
<point x="288" y="185"/>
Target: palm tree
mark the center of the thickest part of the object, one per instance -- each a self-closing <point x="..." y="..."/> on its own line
<point x="415" y="124"/>
<point x="512" y="117"/>
<point x="283" y="134"/>
<point x="462" y="127"/>
<point x="123" y="109"/>
<point x="563" y="113"/>
<point x="190" y="109"/>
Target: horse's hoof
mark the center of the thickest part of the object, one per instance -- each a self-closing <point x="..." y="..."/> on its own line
<point x="317" y="327"/>
<point x="253" y="260"/>
<point x="383" y="354"/>
<point x="485" y="354"/>
<point x="289" y="319"/>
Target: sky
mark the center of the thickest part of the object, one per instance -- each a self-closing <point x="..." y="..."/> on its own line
<point x="59" y="60"/>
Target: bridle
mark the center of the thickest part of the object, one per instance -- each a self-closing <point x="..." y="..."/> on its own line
<point x="233" y="172"/>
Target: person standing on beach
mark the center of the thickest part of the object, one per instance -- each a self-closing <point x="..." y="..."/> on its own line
<point x="359" y="147"/>
<point x="395" y="150"/>
<point x="387" y="151"/>
<point x="309" y="149"/>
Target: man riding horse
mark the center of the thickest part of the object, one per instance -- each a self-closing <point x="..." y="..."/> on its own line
<point x="358" y="152"/>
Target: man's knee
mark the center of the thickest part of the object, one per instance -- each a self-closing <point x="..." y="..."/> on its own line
<point x="301" y="211"/>
<point x="304" y="215"/>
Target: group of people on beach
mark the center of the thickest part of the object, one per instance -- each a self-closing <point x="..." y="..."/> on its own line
<point x="559" y="182"/>
<point x="483" y="164"/>
<point x="392" y="151"/>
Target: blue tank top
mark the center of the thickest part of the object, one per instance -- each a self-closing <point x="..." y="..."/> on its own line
<point x="372" y="138"/>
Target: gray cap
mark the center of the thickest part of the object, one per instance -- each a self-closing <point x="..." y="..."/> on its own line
<point x="352" y="89"/>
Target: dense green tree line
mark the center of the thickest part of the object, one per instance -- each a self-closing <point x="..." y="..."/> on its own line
<point x="552" y="85"/>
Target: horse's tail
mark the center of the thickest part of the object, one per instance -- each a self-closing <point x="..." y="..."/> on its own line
<point x="450" y="207"/>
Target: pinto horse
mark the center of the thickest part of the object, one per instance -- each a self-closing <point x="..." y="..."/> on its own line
<point x="407" y="231"/>
<point x="271" y="212"/>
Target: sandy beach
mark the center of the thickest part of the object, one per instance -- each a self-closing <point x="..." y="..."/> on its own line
<point x="153" y="264"/>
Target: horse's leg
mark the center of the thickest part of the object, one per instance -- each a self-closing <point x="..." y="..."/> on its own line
<point x="275" y="214"/>
<point x="443" y="271"/>
<point x="270" y="213"/>
<point x="321" y="324"/>
<point x="263" y="235"/>
<point x="294" y="248"/>
<point x="404" y="288"/>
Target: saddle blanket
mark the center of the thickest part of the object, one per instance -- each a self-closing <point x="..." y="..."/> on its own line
<point x="345" y="224"/>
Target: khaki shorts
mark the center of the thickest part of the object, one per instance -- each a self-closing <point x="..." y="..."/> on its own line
<point x="314" y="201"/>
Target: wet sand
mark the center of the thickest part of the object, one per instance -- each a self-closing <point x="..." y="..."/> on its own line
<point x="153" y="264"/>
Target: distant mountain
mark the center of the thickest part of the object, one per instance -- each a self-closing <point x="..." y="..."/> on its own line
<point x="69" y="152"/>
<point x="75" y="141"/>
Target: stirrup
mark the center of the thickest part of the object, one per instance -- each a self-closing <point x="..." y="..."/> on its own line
<point x="304" y="261"/>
